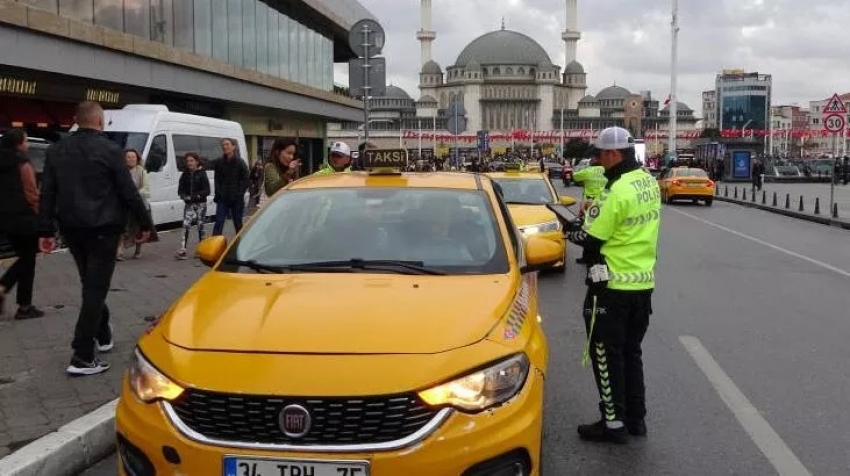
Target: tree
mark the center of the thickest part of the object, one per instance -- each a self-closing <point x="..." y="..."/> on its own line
<point x="576" y="148"/>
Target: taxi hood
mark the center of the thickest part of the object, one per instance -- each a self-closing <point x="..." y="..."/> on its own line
<point x="525" y="215"/>
<point x="337" y="313"/>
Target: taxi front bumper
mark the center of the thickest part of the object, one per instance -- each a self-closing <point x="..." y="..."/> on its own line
<point x="492" y="443"/>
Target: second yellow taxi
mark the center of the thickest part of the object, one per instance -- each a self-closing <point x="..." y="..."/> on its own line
<point x="527" y="195"/>
<point x="362" y="324"/>
<point x="686" y="183"/>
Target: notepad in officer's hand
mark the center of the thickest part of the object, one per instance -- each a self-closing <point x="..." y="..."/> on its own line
<point x="564" y="214"/>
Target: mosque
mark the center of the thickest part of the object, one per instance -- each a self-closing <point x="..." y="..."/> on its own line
<point x="510" y="87"/>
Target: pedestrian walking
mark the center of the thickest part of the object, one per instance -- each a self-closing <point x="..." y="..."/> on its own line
<point x="19" y="221"/>
<point x="620" y="235"/>
<point x="232" y="180"/>
<point x="88" y="191"/>
<point x="339" y="161"/>
<point x="140" y="179"/>
<point x="193" y="189"/>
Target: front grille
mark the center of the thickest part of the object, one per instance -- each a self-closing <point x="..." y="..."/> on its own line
<point x="335" y="421"/>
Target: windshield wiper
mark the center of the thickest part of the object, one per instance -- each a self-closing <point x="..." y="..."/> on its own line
<point x="403" y="267"/>
<point x="256" y="266"/>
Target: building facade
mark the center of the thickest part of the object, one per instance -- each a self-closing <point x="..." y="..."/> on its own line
<point x="709" y="110"/>
<point x="267" y="64"/>
<point x="510" y="87"/>
<point x="743" y="99"/>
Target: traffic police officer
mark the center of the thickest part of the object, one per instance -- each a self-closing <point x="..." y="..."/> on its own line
<point x="339" y="161"/>
<point x="620" y="235"/>
<point x="593" y="180"/>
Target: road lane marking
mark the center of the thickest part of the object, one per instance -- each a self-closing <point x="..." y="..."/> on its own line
<point x="813" y="261"/>
<point x="760" y="431"/>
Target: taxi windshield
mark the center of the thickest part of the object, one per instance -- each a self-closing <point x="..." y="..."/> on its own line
<point x="534" y="191"/>
<point x="691" y="172"/>
<point x="449" y="231"/>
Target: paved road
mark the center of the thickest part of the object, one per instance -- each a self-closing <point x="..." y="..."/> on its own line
<point x="766" y="296"/>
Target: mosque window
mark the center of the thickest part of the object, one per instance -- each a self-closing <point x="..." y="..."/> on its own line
<point x="496" y="70"/>
<point x="509" y="70"/>
<point x="521" y="70"/>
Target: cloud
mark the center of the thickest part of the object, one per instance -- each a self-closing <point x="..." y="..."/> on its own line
<point x="628" y="43"/>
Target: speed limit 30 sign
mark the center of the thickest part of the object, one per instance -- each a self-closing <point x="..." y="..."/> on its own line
<point x="834" y="123"/>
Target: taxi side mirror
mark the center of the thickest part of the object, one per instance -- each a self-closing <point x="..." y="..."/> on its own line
<point x="540" y="253"/>
<point x="211" y="249"/>
<point x="567" y="201"/>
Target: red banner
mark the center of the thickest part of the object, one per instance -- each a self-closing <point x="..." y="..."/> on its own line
<point x="523" y="135"/>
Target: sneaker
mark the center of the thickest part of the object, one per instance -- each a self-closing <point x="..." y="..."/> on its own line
<point x="637" y="427"/>
<point x="181" y="255"/>
<point x="31" y="312"/>
<point x="600" y="432"/>
<point x="79" y="367"/>
<point x="106" y="346"/>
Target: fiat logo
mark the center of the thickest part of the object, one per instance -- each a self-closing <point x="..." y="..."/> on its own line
<point x="294" y="421"/>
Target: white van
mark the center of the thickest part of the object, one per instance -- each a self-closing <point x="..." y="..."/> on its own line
<point x="163" y="138"/>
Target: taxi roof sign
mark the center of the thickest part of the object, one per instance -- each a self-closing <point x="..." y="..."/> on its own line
<point x="512" y="167"/>
<point x="385" y="160"/>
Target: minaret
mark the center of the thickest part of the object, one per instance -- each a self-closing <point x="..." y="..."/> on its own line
<point x="425" y="35"/>
<point x="571" y="35"/>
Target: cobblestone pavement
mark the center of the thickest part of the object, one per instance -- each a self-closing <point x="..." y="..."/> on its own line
<point x="36" y="397"/>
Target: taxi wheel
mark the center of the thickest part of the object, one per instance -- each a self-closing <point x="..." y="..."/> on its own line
<point x="709" y="201"/>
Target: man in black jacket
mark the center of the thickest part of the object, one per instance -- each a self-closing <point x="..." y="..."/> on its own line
<point x="232" y="179"/>
<point x="87" y="190"/>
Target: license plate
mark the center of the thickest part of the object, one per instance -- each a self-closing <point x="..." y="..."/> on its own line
<point x="695" y="184"/>
<point x="246" y="466"/>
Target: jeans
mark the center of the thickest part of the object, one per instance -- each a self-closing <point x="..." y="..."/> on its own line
<point x="222" y="210"/>
<point x="22" y="273"/>
<point x="94" y="255"/>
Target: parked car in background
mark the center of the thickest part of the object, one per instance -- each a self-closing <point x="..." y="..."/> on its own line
<point x="553" y="169"/>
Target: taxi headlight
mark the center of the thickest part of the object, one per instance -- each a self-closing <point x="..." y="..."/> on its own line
<point x="482" y="389"/>
<point x="148" y="383"/>
<point x="541" y="228"/>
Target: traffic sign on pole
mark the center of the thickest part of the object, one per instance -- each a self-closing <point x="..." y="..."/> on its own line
<point x="360" y="45"/>
<point x="834" y="106"/>
<point x="834" y="123"/>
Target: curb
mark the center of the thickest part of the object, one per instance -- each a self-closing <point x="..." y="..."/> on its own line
<point x="838" y="223"/>
<point x="68" y="450"/>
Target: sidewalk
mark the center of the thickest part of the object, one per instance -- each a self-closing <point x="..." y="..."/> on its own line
<point x="809" y="191"/>
<point x="815" y="197"/>
<point x="36" y="397"/>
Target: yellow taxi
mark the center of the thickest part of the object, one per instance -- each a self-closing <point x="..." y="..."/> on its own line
<point x="686" y="183"/>
<point x="362" y="324"/>
<point x="527" y="194"/>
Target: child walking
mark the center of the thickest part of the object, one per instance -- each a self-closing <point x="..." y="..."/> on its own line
<point x="194" y="189"/>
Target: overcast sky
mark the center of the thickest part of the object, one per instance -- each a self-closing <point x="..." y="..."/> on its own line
<point x="628" y="42"/>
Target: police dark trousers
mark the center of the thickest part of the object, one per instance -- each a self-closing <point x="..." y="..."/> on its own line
<point x="94" y="255"/>
<point x="622" y="318"/>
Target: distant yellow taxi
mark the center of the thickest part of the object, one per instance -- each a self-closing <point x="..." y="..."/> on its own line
<point x="686" y="183"/>
<point x="362" y="324"/>
<point x="527" y="194"/>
